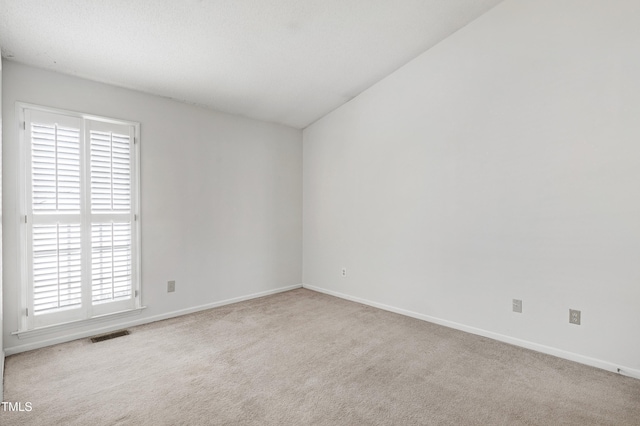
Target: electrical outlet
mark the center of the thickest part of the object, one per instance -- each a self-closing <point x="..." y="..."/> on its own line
<point x="343" y="273"/>
<point x="574" y="316"/>
<point x="171" y="286"/>
<point x="517" y="306"/>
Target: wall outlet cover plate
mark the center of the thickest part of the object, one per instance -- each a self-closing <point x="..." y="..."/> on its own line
<point x="517" y="305"/>
<point x="574" y="316"/>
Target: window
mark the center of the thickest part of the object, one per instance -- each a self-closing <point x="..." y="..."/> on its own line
<point x="80" y="230"/>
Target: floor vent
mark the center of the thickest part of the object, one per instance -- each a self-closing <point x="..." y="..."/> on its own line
<point x="109" y="336"/>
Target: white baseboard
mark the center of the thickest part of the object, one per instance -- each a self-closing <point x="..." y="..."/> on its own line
<point x="593" y="362"/>
<point x="140" y="321"/>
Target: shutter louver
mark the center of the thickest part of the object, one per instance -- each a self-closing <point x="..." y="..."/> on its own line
<point x="55" y="169"/>
<point x="110" y="262"/>
<point x="56" y="267"/>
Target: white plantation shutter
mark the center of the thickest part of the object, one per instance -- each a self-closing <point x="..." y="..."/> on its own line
<point x="111" y="248"/>
<point x="110" y="262"/>
<point x="55" y="163"/>
<point x="80" y="224"/>
<point x="56" y="267"/>
<point x="110" y="172"/>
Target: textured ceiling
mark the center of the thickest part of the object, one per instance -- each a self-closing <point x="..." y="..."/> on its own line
<point x="284" y="61"/>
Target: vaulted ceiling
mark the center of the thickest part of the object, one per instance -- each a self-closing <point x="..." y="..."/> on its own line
<point x="284" y="61"/>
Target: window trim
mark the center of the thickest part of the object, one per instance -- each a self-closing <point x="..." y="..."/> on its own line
<point x="27" y="327"/>
<point x="49" y="329"/>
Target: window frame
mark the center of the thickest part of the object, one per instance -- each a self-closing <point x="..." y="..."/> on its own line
<point x="29" y="323"/>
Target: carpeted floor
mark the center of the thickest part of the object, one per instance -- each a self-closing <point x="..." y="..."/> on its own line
<point x="303" y="357"/>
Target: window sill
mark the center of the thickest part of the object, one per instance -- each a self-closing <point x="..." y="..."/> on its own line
<point x="25" y="334"/>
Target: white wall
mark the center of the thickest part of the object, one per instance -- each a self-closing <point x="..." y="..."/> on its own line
<point x="503" y="163"/>
<point x="221" y="196"/>
<point x="1" y="215"/>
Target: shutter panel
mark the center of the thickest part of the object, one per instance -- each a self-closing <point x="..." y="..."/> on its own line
<point x="121" y="154"/>
<point x="55" y="169"/>
<point x="111" y="249"/>
<point x="110" y="262"/>
<point x="110" y="172"/>
<point x="56" y="267"/>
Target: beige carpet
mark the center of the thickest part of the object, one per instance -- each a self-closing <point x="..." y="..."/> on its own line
<point x="306" y="358"/>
